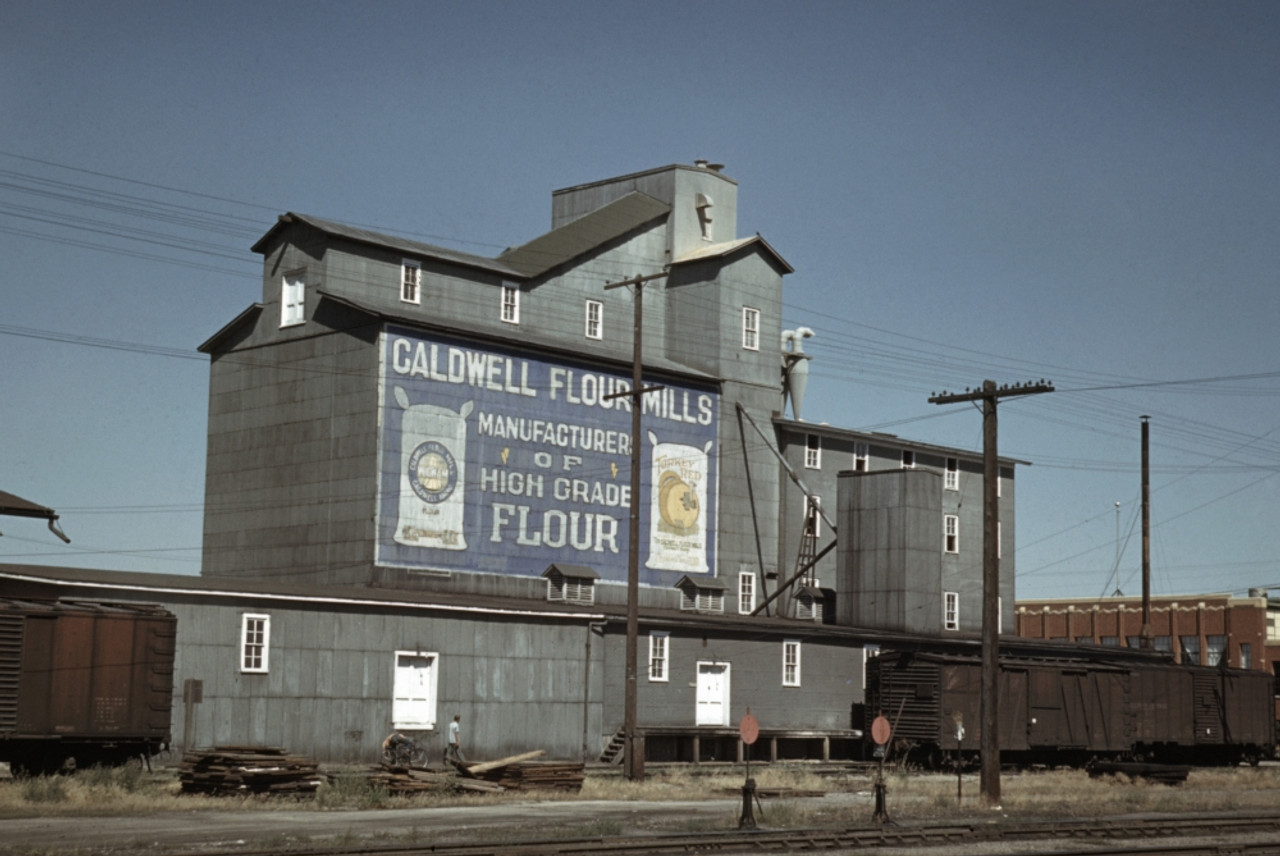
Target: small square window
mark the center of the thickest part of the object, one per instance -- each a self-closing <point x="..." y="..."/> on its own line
<point x="410" y="282"/>
<point x="595" y="319"/>
<point x="750" y="329"/>
<point x="255" y="641"/>
<point x="908" y="459"/>
<point x="510" y="303"/>
<point x="293" y="300"/>
<point x="813" y="452"/>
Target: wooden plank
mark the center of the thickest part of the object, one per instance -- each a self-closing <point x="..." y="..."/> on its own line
<point x="476" y="769"/>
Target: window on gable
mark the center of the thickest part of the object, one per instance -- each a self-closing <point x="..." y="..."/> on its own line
<point x="658" y="655"/>
<point x="950" y="610"/>
<point x="812" y="452"/>
<point x="595" y="319"/>
<point x="510" y="303"/>
<point x="413" y="702"/>
<point x="293" y="299"/>
<point x="951" y="533"/>
<point x="951" y="481"/>
<point x="746" y="592"/>
<point x="860" y="456"/>
<point x="701" y="599"/>
<point x="410" y="281"/>
<point x="255" y="641"/>
<point x="750" y="329"/>
<point x="791" y="663"/>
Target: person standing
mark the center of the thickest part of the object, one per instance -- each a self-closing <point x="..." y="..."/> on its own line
<point x="453" y="752"/>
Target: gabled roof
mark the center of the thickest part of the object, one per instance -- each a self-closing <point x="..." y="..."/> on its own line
<point x="727" y="248"/>
<point x="574" y="571"/>
<point x="389" y="242"/>
<point x="247" y="317"/>
<point x="584" y="234"/>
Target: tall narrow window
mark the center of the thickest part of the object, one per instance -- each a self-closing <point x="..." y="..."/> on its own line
<point x="255" y="641"/>
<point x="812" y="516"/>
<point x="510" y="303"/>
<point x="950" y="610"/>
<point x="951" y="533"/>
<point x="413" y="701"/>
<point x="951" y="480"/>
<point x="595" y="319"/>
<point x="293" y="300"/>
<point x="658" y="656"/>
<point x="410" y="281"/>
<point x="860" y="455"/>
<point x="791" y="663"/>
<point x="746" y="592"/>
<point x="813" y="452"/>
<point x="750" y="328"/>
<point x="1246" y="655"/>
<point x="908" y="459"/>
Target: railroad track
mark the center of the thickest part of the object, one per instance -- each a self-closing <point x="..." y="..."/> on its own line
<point x="1220" y="834"/>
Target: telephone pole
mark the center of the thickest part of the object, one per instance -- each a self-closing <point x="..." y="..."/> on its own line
<point x="633" y="747"/>
<point x="990" y="689"/>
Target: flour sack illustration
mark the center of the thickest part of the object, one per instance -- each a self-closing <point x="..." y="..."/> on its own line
<point x="433" y="469"/>
<point x="677" y="507"/>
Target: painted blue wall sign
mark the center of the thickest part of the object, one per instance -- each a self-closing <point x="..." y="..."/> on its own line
<point x="497" y="461"/>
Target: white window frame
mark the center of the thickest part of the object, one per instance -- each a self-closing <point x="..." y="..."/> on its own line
<point x="411" y="282"/>
<point x="414" y="704"/>
<point x="659" y="656"/>
<point x="951" y="478"/>
<point x="812" y="514"/>
<point x="861" y="457"/>
<point x="255" y="642"/>
<point x="951" y="533"/>
<point x="746" y="592"/>
<point x="750" y="329"/>
<point x="812" y="451"/>
<point x="510" y="303"/>
<point x="908" y="459"/>
<point x="293" y="299"/>
<point x="950" y="610"/>
<point x="594" y="321"/>
<point x="791" y="662"/>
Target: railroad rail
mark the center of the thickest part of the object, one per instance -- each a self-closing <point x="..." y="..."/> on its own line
<point x="1221" y="833"/>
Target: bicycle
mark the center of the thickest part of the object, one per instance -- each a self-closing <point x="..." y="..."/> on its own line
<point x="401" y="751"/>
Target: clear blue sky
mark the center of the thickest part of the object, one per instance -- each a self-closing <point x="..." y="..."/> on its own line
<point x="1076" y="191"/>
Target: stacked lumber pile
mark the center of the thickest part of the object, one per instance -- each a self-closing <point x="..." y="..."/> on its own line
<point x="247" y="769"/>
<point x="520" y="772"/>
<point x="403" y="781"/>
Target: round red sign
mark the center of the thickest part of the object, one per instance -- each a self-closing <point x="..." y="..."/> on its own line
<point x="748" y="729"/>
<point x="880" y="730"/>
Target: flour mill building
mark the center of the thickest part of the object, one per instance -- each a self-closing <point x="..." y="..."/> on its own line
<point x="418" y="496"/>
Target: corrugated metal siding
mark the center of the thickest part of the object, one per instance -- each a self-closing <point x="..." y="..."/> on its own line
<point x="10" y="669"/>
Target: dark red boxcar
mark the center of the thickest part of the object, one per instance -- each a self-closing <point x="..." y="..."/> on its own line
<point x="83" y="682"/>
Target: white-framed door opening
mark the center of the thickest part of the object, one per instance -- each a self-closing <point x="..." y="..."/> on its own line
<point x="713" y="693"/>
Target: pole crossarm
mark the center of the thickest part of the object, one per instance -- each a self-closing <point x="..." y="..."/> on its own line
<point x="1005" y="391"/>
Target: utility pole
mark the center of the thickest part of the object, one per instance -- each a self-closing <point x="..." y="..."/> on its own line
<point x="990" y="689"/>
<point x="633" y="748"/>
<point x="1145" y="642"/>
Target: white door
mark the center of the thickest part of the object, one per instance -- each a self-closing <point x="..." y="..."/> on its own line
<point x="713" y="694"/>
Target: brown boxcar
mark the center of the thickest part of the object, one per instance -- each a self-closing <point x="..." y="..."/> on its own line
<point x="83" y="683"/>
<point x="1069" y="708"/>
